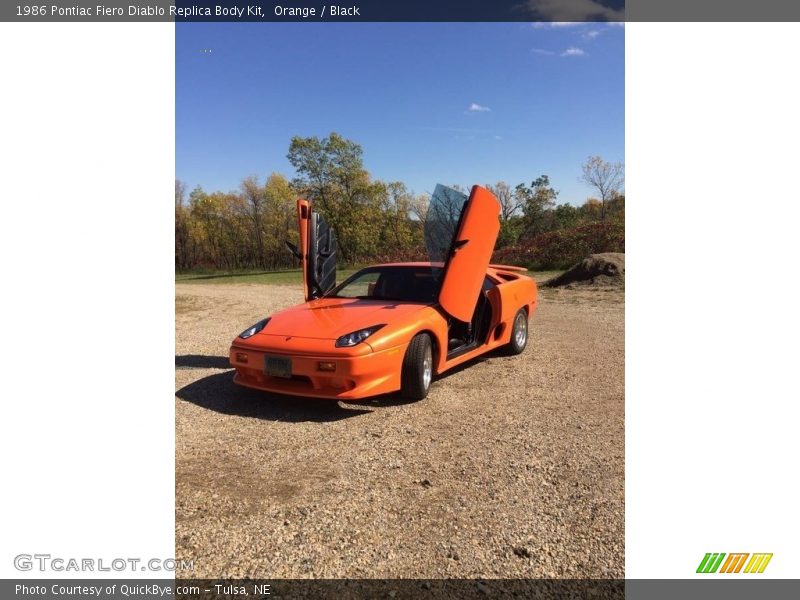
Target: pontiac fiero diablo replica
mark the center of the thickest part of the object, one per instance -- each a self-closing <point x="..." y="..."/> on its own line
<point x="391" y="327"/>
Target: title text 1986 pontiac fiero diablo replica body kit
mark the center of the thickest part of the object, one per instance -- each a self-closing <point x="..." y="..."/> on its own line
<point x="391" y="327"/>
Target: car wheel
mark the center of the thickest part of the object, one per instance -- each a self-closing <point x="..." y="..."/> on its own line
<point x="417" y="371"/>
<point x="519" y="333"/>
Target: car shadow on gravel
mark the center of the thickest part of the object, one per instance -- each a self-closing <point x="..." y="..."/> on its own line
<point x="217" y="392"/>
<point x="198" y="361"/>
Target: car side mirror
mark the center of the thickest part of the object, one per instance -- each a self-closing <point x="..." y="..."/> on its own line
<point x="459" y="244"/>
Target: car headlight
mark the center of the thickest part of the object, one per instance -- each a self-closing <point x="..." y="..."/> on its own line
<point x="356" y="337"/>
<point x="251" y="331"/>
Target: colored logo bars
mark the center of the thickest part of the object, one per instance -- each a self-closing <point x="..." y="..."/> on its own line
<point x="734" y="562"/>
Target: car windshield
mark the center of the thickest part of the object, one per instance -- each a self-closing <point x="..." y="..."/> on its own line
<point x="400" y="283"/>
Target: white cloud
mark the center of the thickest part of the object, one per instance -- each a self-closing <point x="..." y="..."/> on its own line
<point x="574" y="10"/>
<point x="571" y="51"/>
<point x="475" y="107"/>
<point x="592" y="33"/>
<point x="554" y="24"/>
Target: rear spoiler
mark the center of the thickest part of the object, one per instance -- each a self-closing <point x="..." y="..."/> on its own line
<point x="508" y="268"/>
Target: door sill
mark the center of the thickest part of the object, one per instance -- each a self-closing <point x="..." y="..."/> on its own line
<point x="461" y="350"/>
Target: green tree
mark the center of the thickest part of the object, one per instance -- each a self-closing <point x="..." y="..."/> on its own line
<point x="280" y="220"/>
<point x="183" y="238"/>
<point x="536" y="200"/>
<point x="399" y="231"/>
<point x="331" y="173"/>
<point x="565" y="216"/>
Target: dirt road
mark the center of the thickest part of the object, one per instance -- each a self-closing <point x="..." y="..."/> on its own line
<point x="512" y="467"/>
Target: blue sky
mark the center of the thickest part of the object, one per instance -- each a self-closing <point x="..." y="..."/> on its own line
<point x="458" y="103"/>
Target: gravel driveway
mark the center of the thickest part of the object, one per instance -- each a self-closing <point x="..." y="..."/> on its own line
<point x="513" y="467"/>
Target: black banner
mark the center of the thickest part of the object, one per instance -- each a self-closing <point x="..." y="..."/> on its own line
<point x="733" y="588"/>
<point x="402" y="10"/>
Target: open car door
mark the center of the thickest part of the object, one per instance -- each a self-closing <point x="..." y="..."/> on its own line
<point x="317" y="251"/>
<point x="469" y="227"/>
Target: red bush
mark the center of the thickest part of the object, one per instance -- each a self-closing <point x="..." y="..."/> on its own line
<point x="562" y="249"/>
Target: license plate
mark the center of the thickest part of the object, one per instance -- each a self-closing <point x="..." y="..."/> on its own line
<point x="278" y="366"/>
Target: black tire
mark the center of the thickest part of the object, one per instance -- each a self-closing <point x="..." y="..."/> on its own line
<point x="414" y="384"/>
<point x="518" y="341"/>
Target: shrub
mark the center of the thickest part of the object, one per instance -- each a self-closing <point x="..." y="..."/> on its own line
<point x="562" y="249"/>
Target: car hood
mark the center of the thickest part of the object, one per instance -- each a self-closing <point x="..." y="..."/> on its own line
<point x="330" y="318"/>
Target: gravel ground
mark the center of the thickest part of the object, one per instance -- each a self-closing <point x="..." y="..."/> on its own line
<point x="513" y="467"/>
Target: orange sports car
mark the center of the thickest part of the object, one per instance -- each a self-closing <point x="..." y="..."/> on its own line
<point x="391" y="327"/>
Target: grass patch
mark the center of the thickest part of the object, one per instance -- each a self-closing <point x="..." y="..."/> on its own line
<point x="542" y="276"/>
<point x="288" y="277"/>
<point x="292" y="277"/>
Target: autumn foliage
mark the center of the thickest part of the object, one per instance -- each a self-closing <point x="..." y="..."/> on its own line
<point x="382" y="221"/>
<point x="563" y="248"/>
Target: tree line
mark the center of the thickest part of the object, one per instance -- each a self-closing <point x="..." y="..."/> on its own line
<point x="374" y="220"/>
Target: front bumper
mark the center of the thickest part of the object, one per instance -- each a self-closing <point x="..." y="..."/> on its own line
<point x="354" y="377"/>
